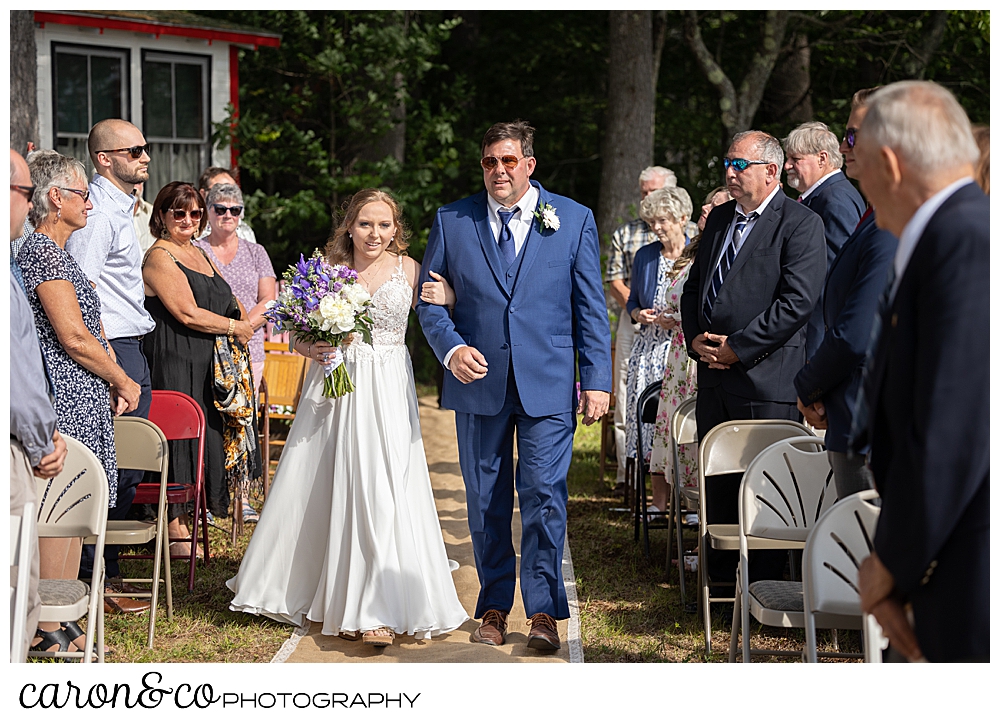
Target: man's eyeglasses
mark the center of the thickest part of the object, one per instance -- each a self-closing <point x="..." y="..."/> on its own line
<point x="220" y="210"/>
<point x="134" y="151"/>
<point x="82" y="194"/>
<point x="180" y="213"/>
<point x="509" y="162"/>
<point x="851" y="137"/>
<point x="741" y="164"/>
<point x="28" y="191"/>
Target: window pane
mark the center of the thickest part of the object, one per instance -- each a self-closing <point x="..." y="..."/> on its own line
<point x="71" y="94"/>
<point x="190" y="120"/>
<point x="156" y="100"/>
<point x="105" y="88"/>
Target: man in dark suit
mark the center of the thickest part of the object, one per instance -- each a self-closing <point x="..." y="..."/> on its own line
<point x="751" y="289"/>
<point x="813" y="162"/>
<point x="828" y="384"/>
<point x="927" y="418"/>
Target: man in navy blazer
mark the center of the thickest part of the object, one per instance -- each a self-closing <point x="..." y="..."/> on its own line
<point x="751" y="289"/>
<point x="828" y="383"/>
<point x="529" y="311"/>
<point x="813" y="163"/>
<point x="928" y="413"/>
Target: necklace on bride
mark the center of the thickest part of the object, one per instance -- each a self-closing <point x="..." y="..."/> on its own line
<point x="368" y="279"/>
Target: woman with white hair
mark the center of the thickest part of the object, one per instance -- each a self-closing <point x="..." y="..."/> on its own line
<point x="654" y="300"/>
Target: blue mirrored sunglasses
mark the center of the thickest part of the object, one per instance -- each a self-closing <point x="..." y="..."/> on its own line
<point x="741" y="164"/>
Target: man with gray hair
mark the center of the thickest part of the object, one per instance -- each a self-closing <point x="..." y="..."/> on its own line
<point x="625" y="241"/>
<point x="925" y="406"/>
<point x="751" y="288"/>
<point x="812" y="164"/>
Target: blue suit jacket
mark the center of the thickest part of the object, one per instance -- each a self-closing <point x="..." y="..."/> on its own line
<point x="544" y="316"/>
<point x="850" y="301"/>
<point x="929" y="421"/>
<point x="642" y="291"/>
<point x="840" y="206"/>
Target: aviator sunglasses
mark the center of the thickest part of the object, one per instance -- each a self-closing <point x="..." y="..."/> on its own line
<point x="134" y="151"/>
<point x="741" y="164"/>
<point x="851" y="137"/>
<point x="220" y="210"/>
<point x="509" y="162"/>
<point x="180" y="213"/>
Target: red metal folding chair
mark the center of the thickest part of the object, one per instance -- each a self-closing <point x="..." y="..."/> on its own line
<point x="179" y="417"/>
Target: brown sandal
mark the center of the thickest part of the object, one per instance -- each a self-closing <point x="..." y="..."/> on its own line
<point x="380" y="637"/>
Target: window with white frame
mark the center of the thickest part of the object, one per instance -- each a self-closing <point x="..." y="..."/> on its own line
<point x="89" y="85"/>
<point x="175" y="120"/>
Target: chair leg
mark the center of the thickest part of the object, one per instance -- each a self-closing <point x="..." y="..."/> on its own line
<point x="155" y="581"/>
<point x="810" y="649"/>
<point x="736" y="629"/>
<point x="671" y="508"/>
<point x="743" y="591"/>
<point x="705" y="605"/>
<point x="680" y="544"/>
<point x="166" y="575"/>
<point x="204" y="531"/>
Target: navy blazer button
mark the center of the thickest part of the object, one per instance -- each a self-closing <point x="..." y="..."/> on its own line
<point x="503" y="346"/>
<point x="512" y="310"/>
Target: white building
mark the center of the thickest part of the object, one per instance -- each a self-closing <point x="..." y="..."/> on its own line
<point x="171" y="73"/>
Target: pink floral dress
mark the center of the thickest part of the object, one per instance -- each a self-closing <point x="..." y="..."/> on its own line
<point x="679" y="382"/>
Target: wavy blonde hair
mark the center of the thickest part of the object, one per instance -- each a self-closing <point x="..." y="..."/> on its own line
<point x="340" y="248"/>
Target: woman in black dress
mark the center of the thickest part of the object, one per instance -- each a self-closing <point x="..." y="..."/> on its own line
<point x="192" y="304"/>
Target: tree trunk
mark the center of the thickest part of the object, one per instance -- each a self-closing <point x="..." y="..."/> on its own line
<point x="920" y="58"/>
<point x="739" y="105"/>
<point x="788" y="97"/>
<point x="23" y="81"/>
<point x="627" y="147"/>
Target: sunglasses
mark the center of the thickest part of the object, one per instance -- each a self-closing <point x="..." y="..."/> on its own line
<point x="220" y="210"/>
<point x="28" y="191"/>
<point x="741" y="164"/>
<point x="180" y="213"/>
<point x="134" y="151"/>
<point x="82" y="194"/>
<point x="851" y="137"/>
<point x="509" y="162"/>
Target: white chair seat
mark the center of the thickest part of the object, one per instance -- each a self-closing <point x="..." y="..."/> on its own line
<point x="130" y="532"/>
<point x="727" y="537"/>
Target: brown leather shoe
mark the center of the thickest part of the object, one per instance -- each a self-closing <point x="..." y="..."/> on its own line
<point x="493" y="628"/>
<point x="122" y="605"/>
<point x="544" y="634"/>
<point x="120" y="586"/>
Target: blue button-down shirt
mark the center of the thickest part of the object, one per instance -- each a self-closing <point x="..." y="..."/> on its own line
<point x="32" y="417"/>
<point x="109" y="254"/>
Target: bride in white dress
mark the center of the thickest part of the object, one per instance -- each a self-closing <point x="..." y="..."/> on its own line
<point x="350" y="536"/>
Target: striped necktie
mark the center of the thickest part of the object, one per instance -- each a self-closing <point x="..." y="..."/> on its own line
<point x="859" y="419"/>
<point x="506" y="236"/>
<point x="722" y="270"/>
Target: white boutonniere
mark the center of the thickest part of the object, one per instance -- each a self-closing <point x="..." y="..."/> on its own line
<point x="547" y="217"/>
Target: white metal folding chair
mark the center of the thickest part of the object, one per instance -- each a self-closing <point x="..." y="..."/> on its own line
<point x="786" y="488"/>
<point x="139" y="444"/>
<point x="729" y="448"/>
<point x="22" y="529"/>
<point x="74" y="503"/>
<point x="837" y="545"/>
<point x="683" y="430"/>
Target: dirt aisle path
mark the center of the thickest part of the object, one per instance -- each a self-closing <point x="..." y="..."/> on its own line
<point x="309" y="646"/>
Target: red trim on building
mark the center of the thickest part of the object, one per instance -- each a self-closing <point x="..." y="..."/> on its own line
<point x="234" y="98"/>
<point x="157" y="29"/>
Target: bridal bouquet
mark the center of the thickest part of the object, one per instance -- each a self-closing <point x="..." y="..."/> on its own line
<point x="321" y="302"/>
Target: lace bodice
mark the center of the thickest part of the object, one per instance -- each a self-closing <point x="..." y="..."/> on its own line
<point x="389" y="311"/>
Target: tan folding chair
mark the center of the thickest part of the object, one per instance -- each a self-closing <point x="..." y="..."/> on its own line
<point x="74" y="503"/>
<point x="683" y="430"/>
<point x="784" y="491"/>
<point x="727" y="449"/>
<point x="22" y="533"/>
<point x="837" y="545"/>
<point x="284" y="374"/>
<point x="139" y="444"/>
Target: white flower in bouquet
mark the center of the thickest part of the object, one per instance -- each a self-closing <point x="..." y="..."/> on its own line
<point x="356" y="295"/>
<point x="336" y="313"/>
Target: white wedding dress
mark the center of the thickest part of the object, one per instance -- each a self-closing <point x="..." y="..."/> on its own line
<point x="349" y="535"/>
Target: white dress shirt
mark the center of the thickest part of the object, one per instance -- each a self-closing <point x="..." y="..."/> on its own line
<point x="519" y="225"/>
<point x="820" y="182"/>
<point x="746" y="231"/>
<point x="914" y="229"/>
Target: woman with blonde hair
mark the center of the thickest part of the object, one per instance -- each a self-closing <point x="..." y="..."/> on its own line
<point x="350" y="536"/>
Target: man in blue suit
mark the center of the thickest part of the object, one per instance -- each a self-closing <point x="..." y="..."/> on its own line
<point x="813" y="163"/>
<point x="529" y="310"/>
<point x="828" y="384"/>
<point x="927" y="412"/>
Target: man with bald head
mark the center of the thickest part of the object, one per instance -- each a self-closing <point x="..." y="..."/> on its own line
<point x="36" y="449"/>
<point x="925" y="408"/>
<point x="109" y="254"/>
